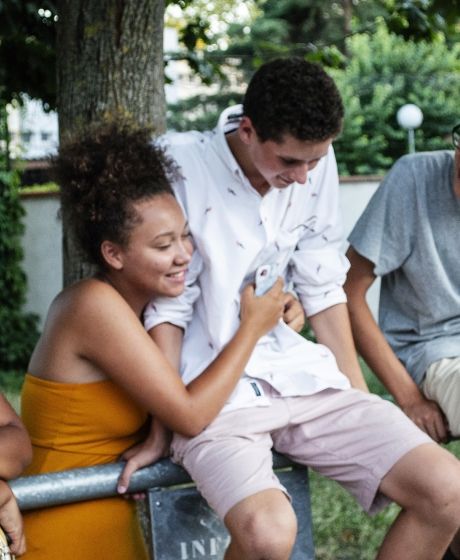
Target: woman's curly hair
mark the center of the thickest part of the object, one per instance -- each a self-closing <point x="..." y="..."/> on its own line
<point x="296" y="97"/>
<point x="101" y="173"/>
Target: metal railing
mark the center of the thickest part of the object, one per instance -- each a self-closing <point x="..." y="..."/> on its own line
<point x="89" y="483"/>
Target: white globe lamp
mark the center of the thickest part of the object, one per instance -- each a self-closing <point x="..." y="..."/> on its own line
<point x="410" y="117"/>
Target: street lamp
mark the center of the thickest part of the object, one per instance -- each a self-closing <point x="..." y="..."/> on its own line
<point x="410" y="117"/>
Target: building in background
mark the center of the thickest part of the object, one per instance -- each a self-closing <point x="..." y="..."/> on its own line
<point x="33" y="132"/>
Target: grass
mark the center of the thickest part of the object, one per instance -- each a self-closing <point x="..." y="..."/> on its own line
<point x="342" y="531"/>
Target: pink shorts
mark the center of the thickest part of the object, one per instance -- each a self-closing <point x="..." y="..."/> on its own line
<point x="349" y="436"/>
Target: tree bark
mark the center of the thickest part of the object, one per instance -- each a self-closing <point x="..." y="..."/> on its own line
<point x="109" y="63"/>
<point x="347" y="15"/>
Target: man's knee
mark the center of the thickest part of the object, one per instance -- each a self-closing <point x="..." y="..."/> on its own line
<point x="443" y="496"/>
<point x="427" y="482"/>
<point x="263" y="529"/>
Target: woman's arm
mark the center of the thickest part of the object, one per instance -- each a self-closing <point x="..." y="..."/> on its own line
<point x="156" y="445"/>
<point x="112" y="337"/>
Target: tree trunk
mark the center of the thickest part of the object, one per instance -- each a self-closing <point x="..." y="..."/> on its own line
<point x="347" y="15"/>
<point x="109" y="63"/>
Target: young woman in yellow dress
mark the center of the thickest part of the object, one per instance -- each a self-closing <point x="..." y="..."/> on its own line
<point x="96" y="378"/>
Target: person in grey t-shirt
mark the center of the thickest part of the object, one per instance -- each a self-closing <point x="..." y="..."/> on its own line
<point x="409" y="236"/>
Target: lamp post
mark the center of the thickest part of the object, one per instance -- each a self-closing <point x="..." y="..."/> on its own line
<point x="410" y="117"/>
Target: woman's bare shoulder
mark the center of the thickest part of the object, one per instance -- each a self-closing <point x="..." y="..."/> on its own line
<point x="86" y="294"/>
<point x="87" y="299"/>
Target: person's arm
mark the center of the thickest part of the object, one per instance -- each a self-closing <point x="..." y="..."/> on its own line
<point x="294" y="314"/>
<point x="374" y="348"/>
<point x="168" y="338"/>
<point x="15" y="455"/>
<point x="156" y="445"/>
<point x="11" y="520"/>
<point x="332" y="328"/>
<point x="126" y="353"/>
<point x="15" y="446"/>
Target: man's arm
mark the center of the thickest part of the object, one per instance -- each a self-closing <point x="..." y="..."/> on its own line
<point x="294" y="314"/>
<point x="169" y="337"/>
<point x="374" y="348"/>
<point x="332" y="328"/>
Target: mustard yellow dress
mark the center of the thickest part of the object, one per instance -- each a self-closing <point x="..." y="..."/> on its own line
<point x="72" y="426"/>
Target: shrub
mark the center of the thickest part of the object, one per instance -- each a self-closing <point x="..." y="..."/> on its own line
<point x="383" y="73"/>
<point x="18" y="330"/>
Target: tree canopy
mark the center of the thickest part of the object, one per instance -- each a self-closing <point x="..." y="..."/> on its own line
<point x="27" y="50"/>
<point x="222" y="39"/>
<point x="270" y="28"/>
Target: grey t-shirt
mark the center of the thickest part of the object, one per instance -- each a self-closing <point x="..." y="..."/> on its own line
<point x="410" y="230"/>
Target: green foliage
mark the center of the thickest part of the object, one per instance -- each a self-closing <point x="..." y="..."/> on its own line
<point x="377" y="71"/>
<point x="18" y="330"/>
<point x="199" y="112"/>
<point x="27" y="53"/>
<point x="10" y="387"/>
<point x="341" y="530"/>
<point x="383" y="73"/>
<point x="423" y="19"/>
<point x="42" y="188"/>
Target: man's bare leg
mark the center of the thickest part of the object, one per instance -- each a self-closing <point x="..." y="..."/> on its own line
<point x="426" y="484"/>
<point x="262" y="527"/>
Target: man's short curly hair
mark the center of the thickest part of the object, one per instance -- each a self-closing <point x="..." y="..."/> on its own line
<point x="101" y="173"/>
<point x="296" y="97"/>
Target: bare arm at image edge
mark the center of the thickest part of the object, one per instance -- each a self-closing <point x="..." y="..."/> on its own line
<point x="15" y="446"/>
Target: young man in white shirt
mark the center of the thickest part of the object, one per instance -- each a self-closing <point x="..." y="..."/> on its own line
<point x="261" y="190"/>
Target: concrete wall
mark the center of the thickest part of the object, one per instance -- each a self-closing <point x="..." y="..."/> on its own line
<point x="43" y="238"/>
<point x="42" y="251"/>
<point x="354" y="196"/>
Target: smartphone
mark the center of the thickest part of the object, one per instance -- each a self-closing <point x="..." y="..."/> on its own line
<point x="266" y="276"/>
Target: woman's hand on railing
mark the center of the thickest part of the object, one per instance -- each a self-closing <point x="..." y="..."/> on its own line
<point x="153" y="448"/>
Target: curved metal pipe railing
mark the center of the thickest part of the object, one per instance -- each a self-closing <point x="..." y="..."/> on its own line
<point x="89" y="483"/>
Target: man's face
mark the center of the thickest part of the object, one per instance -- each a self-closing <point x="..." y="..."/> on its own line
<point x="280" y="164"/>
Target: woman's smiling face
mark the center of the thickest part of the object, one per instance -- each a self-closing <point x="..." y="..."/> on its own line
<point x="159" y="248"/>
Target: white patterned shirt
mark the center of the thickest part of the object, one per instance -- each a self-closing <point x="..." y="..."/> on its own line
<point x="236" y="230"/>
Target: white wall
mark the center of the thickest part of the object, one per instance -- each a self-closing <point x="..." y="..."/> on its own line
<point x="42" y="244"/>
<point x="43" y="239"/>
<point x="354" y="196"/>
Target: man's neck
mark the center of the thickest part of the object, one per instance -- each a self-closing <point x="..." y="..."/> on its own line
<point x="240" y="153"/>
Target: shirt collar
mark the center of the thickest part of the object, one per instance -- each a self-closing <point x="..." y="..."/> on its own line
<point x="228" y="122"/>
